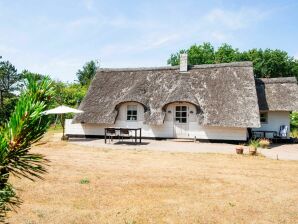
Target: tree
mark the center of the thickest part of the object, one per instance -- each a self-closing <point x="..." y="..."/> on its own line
<point x="8" y="79"/>
<point x="70" y="94"/>
<point x="267" y="63"/>
<point x="272" y="63"/>
<point x="226" y="53"/>
<point x="9" y="104"/>
<point x="197" y="54"/>
<point x="87" y="73"/>
<point x="25" y="127"/>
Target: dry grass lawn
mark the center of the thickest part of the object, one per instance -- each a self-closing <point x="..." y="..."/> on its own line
<point x="128" y="186"/>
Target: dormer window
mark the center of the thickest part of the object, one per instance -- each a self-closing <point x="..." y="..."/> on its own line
<point x="132" y="113"/>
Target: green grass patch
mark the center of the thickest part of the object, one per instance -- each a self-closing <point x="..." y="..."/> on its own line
<point x="84" y="181"/>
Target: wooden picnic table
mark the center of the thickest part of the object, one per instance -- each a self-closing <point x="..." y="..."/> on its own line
<point x="136" y="130"/>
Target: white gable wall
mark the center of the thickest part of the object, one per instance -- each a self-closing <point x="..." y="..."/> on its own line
<point x="166" y="130"/>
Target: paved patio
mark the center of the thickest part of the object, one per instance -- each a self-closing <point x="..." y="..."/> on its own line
<point x="282" y="152"/>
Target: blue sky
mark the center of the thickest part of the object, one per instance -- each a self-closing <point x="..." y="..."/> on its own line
<point x="58" y="37"/>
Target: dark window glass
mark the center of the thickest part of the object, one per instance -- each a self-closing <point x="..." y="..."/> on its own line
<point x="264" y="117"/>
<point x="132" y="113"/>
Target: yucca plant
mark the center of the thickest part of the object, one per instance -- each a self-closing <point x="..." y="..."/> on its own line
<point x="26" y="126"/>
<point x="253" y="146"/>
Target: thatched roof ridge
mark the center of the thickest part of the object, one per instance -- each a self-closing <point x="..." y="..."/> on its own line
<point x="224" y="94"/>
<point x="277" y="94"/>
<point x="220" y="65"/>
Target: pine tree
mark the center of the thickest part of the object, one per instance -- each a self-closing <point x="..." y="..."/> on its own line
<point x="25" y="127"/>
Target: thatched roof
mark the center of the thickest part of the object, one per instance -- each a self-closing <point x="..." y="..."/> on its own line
<point x="278" y="94"/>
<point x="224" y="94"/>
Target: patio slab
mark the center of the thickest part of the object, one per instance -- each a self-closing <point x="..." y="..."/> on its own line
<point x="281" y="152"/>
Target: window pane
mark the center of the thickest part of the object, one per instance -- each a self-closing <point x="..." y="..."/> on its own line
<point x="183" y="120"/>
<point x="178" y="114"/>
<point x="183" y="108"/>
<point x="132" y="113"/>
<point x="184" y="114"/>
<point x="263" y="117"/>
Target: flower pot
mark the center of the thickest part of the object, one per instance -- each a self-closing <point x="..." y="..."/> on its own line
<point x="239" y="150"/>
<point x="252" y="150"/>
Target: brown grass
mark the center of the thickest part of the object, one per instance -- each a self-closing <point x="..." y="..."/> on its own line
<point x="128" y="186"/>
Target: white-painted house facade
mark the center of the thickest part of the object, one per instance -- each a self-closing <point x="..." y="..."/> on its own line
<point x="184" y="125"/>
<point x="215" y="102"/>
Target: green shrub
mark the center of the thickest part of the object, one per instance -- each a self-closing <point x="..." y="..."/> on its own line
<point x="84" y="181"/>
<point x="294" y="133"/>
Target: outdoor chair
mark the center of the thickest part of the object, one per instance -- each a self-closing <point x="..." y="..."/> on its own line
<point x="111" y="132"/>
<point x="125" y="133"/>
<point x="283" y="131"/>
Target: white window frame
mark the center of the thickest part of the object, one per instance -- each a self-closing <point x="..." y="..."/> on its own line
<point x="265" y="117"/>
<point x="181" y="117"/>
<point x="132" y="115"/>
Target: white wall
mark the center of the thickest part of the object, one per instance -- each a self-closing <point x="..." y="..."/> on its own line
<point x="275" y="120"/>
<point x="164" y="131"/>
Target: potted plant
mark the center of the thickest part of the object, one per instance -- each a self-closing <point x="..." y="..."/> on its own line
<point x="239" y="149"/>
<point x="264" y="143"/>
<point x="253" y="146"/>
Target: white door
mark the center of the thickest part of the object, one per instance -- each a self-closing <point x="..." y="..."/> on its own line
<point x="181" y="122"/>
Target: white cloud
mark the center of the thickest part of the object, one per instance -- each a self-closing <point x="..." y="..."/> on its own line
<point x="8" y="50"/>
<point x="143" y="44"/>
<point x="120" y="39"/>
<point x="237" y="19"/>
<point x="219" y="36"/>
<point x="84" y="21"/>
<point x="88" y="4"/>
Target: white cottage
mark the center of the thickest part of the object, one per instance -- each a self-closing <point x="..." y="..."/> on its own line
<point x="215" y="102"/>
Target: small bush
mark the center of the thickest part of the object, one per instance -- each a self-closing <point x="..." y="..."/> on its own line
<point x="84" y="181"/>
<point x="294" y="133"/>
<point x="264" y="143"/>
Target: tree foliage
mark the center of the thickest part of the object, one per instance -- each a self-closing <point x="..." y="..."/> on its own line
<point x="267" y="63"/>
<point x="70" y="94"/>
<point x="25" y="127"/>
<point x="294" y="120"/>
<point x="9" y="79"/>
<point x="86" y="74"/>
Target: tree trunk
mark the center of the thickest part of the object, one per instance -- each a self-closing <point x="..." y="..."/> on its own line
<point x="1" y="99"/>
